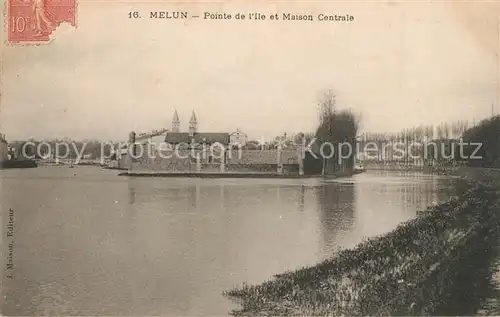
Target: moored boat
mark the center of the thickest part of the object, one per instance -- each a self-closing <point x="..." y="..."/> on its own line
<point x="359" y="168"/>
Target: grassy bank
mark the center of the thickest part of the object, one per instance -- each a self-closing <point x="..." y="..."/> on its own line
<point x="409" y="271"/>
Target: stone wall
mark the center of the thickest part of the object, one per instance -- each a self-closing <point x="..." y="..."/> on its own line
<point x="237" y="161"/>
<point x="262" y="157"/>
<point x="182" y="162"/>
<point x="252" y="168"/>
<point x="211" y="168"/>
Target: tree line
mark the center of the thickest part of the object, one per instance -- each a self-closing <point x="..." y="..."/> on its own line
<point x="475" y="145"/>
<point x="487" y="133"/>
<point x="43" y="149"/>
<point x="443" y="131"/>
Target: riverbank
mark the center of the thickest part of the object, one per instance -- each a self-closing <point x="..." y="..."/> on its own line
<point x="18" y="164"/>
<point x="230" y="175"/>
<point x="115" y="168"/>
<point x="412" y="270"/>
<point x="427" y="169"/>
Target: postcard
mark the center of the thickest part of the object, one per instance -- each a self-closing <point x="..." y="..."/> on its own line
<point x="249" y="158"/>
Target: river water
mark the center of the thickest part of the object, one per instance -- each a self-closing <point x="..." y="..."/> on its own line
<point x="88" y="242"/>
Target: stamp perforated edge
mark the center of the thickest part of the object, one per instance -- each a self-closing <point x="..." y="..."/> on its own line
<point x="24" y="43"/>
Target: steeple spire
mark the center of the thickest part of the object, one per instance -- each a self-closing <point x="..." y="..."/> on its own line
<point x="175" y="122"/>
<point x="193" y="124"/>
<point x="193" y="118"/>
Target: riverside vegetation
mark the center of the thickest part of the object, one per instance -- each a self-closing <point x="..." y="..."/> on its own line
<point x="413" y="270"/>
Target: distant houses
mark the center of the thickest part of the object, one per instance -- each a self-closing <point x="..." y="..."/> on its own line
<point x="238" y="139"/>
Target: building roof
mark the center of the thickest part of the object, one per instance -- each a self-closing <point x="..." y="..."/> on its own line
<point x="238" y="131"/>
<point x="183" y="137"/>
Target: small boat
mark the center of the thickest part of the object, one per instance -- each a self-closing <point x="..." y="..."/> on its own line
<point x="359" y="168"/>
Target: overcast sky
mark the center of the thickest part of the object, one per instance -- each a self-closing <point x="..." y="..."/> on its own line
<point x="399" y="64"/>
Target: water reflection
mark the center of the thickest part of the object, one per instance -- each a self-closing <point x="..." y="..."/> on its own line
<point x="302" y="197"/>
<point x="336" y="213"/>
<point x="131" y="192"/>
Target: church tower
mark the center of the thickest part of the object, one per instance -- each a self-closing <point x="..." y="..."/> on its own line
<point x="193" y="125"/>
<point x="175" y="122"/>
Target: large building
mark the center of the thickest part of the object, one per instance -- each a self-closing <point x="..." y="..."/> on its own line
<point x="175" y="136"/>
<point x="193" y="151"/>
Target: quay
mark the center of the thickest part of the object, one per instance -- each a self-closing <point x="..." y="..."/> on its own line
<point x="223" y="175"/>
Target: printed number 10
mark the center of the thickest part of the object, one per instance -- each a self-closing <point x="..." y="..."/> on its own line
<point x="18" y="24"/>
<point x="134" y="15"/>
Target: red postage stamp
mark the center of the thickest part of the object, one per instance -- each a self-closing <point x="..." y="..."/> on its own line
<point x="33" y="21"/>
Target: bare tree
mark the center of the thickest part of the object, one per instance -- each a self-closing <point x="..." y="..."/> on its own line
<point x="336" y="127"/>
<point x="326" y="105"/>
<point x="446" y="130"/>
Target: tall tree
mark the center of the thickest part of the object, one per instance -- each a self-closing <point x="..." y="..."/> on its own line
<point x="336" y="127"/>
